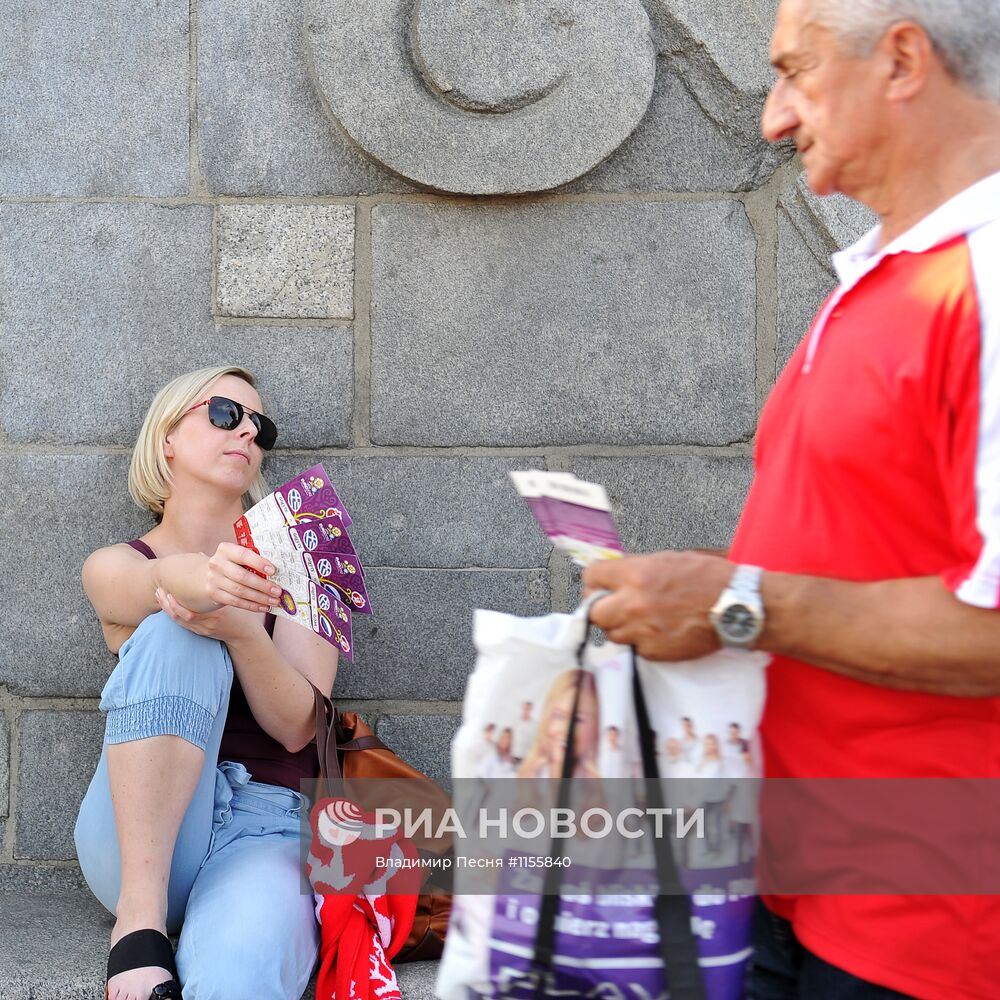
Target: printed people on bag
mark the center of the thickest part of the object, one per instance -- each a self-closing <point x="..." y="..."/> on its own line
<point x="545" y="758"/>
<point x="612" y="760"/>
<point x="524" y="731"/>
<point x="499" y="762"/>
<point x="690" y="743"/>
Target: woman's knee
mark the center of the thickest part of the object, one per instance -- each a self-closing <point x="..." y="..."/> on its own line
<point x="160" y="632"/>
<point x="277" y="968"/>
<point x="168" y="680"/>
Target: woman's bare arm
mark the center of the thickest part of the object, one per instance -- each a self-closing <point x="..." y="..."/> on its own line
<point x="121" y="582"/>
<point x="269" y="673"/>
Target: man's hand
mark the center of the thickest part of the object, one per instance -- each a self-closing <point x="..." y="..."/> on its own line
<point x="226" y="623"/>
<point x="660" y="602"/>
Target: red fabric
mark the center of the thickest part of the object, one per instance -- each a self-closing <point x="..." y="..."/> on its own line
<point x="365" y="908"/>
<point x="870" y="465"/>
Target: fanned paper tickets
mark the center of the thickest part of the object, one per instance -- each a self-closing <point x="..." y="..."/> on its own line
<point x="575" y="515"/>
<point x="301" y="528"/>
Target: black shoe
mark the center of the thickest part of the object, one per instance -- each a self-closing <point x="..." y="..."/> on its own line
<point x="140" y="949"/>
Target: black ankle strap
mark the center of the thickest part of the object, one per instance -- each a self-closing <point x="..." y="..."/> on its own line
<point x="139" y="949"/>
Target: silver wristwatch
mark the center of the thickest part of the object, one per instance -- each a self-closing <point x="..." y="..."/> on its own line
<point x="738" y="615"/>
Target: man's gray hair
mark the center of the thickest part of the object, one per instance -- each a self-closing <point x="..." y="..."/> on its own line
<point x="965" y="33"/>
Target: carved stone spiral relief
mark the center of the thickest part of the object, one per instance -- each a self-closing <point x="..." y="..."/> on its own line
<point x="484" y="96"/>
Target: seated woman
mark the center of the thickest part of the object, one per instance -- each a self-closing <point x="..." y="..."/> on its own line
<point x="191" y="821"/>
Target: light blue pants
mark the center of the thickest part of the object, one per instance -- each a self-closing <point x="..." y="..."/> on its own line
<point x="235" y="892"/>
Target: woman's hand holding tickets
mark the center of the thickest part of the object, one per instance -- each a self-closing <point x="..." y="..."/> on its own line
<point x="659" y="603"/>
<point x="228" y="623"/>
<point x="230" y="580"/>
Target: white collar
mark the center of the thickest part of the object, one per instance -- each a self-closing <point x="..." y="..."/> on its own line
<point x="974" y="207"/>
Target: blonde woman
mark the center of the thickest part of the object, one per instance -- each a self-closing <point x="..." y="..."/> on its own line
<point x="545" y="758"/>
<point x="191" y="821"/>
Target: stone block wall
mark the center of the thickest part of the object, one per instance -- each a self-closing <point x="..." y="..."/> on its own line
<point x="451" y="241"/>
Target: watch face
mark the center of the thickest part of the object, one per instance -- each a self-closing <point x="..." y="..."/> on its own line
<point x="738" y="622"/>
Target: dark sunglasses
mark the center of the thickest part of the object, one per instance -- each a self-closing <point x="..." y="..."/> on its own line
<point x="227" y="414"/>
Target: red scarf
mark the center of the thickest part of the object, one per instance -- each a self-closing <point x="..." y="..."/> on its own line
<point x="365" y="900"/>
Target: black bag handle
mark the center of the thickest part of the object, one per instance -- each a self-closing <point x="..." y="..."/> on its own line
<point x="678" y="947"/>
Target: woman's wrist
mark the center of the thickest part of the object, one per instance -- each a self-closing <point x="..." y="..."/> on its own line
<point x="185" y="575"/>
<point x="248" y="638"/>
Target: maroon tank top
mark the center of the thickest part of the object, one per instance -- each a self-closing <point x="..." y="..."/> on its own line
<point x="243" y="740"/>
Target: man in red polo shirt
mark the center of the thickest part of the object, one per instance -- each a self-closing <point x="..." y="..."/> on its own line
<point x="867" y="557"/>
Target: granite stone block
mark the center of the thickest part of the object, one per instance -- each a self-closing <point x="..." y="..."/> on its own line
<point x="129" y="285"/>
<point x="804" y="281"/>
<point x="721" y="51"/>
<point x="672" y="502"/>
<point x="261" y="123"/>
<point x="54" y="511"/>
<point x="53" y="945"/>
<point x="735" y="34"/>
<point x="94" y="98"/>
<point x="810" y="230"/>
<point x="475" y="97"/>
<point x="29" y="878"/>
<point x="58" y="754"/>
<point x="426" y="511"/>
<point x="844" y="220"/>
<point x="418" y="645"/>
<point x="563" y="324"/>
<point x="286" y="261"/>
<point x="4" y="766"/>
<point x="680" y="147"/>
<point x="423" y="741"/>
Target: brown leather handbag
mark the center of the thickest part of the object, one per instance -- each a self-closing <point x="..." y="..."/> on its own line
<point x="349" y="750"/>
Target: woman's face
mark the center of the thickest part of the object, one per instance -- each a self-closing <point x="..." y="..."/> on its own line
<point x="711" y="745"/>
<point x="228" y="458"/>
<point x="587" y="727"/>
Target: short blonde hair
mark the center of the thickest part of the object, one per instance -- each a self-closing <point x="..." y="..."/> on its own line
<point x="149" y="476"/>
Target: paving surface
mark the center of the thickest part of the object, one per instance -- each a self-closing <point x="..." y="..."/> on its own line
<point x="53" y="946"/>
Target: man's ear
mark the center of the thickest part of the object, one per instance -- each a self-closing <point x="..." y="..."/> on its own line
<point x="911" y="57"/>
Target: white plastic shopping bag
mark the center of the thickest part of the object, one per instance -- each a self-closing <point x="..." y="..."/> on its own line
<point x="534" y="683"/>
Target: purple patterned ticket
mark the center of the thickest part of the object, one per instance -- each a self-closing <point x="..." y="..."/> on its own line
<point x="316" y="609"/>
<point x="309" y="497"/>
<point x="575" y="515"/>
<point x="318" y="590"/>
<point x="340" y="575"/>
<point x="530" y="486"/>
<point x="326" y="535"/>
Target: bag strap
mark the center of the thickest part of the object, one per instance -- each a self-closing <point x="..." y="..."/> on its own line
<point x="363" y="743"/>
<point x="327" y="721"/>
<point x="329" y="744"/>
<point x="678" y="948"/>
<point x="673" y="905"/>
<point x="545" y="936"/>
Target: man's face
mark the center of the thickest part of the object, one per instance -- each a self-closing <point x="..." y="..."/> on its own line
<point x="827" y="101"/>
